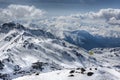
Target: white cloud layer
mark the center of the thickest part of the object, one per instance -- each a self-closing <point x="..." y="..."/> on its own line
<point x="103" y="17"/>
<point x="93" y="22"/>
<point x="16" y="12"/>
<point x="98" y="23"/>
<point x="104" y="14"/>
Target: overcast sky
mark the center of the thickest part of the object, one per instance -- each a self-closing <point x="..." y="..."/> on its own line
<point x="63" y="1"/>
<point x="65" y="5"/>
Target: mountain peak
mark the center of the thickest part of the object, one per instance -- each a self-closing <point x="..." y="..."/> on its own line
<point x="6" y="27"/>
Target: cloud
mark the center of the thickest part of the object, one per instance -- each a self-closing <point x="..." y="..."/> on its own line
<point x="106" y="14"/>
<point x="114" y="21"/>
<point x="112" y="16"/>
<point x="20" y="12"/>
<point x="94" y="22"/>
<point x="98" y="23"/>
<point x="103" y="16"/>
<point x="16" y="12"/>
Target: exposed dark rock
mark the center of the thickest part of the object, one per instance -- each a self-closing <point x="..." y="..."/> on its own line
<point x="71" y="75"/>
<point x="1" y="65"/>
<point x="38" y="65"/>
<point x="95" y="68"/>
<point x="17" y="68"/>
<point x="90" y="73"/>
<point x="5" y="76"/>
<point x="78" y="68"/>
<point x="82" y="70"/>
<point x="72" y="71"/>
<point x="8" y="38"/>
<point x="90" y="68"/>
<point x="37" y="74"/>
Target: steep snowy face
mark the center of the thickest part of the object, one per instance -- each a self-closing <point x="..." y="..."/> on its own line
<point x="24" y="51"/>
<point x="88" y="41"/>
<point x="108" y="57"/>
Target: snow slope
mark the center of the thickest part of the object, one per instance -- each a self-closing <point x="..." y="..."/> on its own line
<point x="108" y="57"/>
<point x="21" y="47"/>
<point x="101" y="74"/>
<point x="25" y="51"/>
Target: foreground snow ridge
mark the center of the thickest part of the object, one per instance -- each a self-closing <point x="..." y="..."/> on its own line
<point x="75" y="74"/>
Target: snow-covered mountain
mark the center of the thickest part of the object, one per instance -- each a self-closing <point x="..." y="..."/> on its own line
<point x="88" y="41"/>
<point x="27" y="51"/>
<point x="21" y="49"/>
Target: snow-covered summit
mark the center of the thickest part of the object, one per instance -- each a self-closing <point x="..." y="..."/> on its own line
<point x="23" y="49"/>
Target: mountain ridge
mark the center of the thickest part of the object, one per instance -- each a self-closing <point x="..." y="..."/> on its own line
<point x="25" y="51"/>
